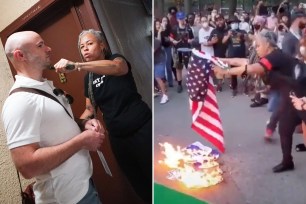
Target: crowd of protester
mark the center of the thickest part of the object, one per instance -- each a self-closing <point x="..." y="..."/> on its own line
<point x="240" y="40"/>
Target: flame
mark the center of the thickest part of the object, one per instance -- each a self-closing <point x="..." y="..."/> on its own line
<point x="195" y="168"/>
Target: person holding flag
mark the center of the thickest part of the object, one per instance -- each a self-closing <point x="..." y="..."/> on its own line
<point x="279" y="68"/>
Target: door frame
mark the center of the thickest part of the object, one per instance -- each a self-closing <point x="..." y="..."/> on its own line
<point x="82" y="10"/>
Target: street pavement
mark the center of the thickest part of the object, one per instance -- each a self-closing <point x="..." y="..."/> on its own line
<point x="248" y="159"/>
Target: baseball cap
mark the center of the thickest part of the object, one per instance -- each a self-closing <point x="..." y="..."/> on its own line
<point x="297" y="14"/>
<point x="180" y="15"/>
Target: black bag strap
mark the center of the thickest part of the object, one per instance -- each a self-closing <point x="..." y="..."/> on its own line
<point x="39" y="92"/>
<point x="19" y="182"/>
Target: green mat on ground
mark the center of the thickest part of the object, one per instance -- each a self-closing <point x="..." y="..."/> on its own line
<point x="164" y="195"/>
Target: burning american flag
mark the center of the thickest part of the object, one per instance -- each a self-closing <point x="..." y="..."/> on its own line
<point x="203" y="102"/>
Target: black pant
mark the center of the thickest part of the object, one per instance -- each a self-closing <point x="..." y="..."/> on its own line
<point x="134" y="156"/>
<point x="289" y="119"/>
<point x="289" y="116"/>
<point x="234" y="82"/>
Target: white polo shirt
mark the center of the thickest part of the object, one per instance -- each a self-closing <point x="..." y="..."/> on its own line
<point x="31" y="118"/>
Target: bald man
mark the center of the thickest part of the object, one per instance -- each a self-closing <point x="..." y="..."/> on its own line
<point x="44" y="141"/>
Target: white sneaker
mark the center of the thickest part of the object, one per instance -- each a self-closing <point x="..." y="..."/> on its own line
<point x="164" y="99"/>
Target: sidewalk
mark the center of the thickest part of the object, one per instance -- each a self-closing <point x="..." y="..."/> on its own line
<point x="248" y="159"/>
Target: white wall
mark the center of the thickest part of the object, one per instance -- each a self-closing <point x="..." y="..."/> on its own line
<point x="9" y="187"/>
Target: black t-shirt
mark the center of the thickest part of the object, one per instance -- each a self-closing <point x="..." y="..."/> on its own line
<point x="123" y="110"/>
<point x="182" y="35"/>
<point x="165" y="41"/>
<point x="278" y="61"/>
<point x="219" y="47"/>
<point x="236" y="44"/>
<point x="279" y="69"/>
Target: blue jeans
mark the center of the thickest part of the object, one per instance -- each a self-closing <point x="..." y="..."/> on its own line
<point x="274" y="98"/>
<point x="168" y="65"/>
<point x="274" y="107"/>
<point x="91" y="196"/>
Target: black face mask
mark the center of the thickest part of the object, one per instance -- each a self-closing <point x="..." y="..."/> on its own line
<point x="301" y="26"/>
<point x="256" y="27"/>
<point x="280" y="27"/>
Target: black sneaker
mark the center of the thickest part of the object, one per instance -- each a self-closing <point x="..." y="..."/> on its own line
<point x="259" y="103"/>
<point x="283" y="167"/>
<point x="179" y="89"/>
<point x="300" y="147"/>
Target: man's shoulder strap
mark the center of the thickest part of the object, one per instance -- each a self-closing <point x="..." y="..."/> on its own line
<point x="39" y="92"/>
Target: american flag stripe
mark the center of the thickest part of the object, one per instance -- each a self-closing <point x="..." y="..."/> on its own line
<point x="206" y="122"/>
<point x="204" y="107"/>
<point x="208" y="115"/>
<point x="213" y="138"/>
<point x="207" y="130"/>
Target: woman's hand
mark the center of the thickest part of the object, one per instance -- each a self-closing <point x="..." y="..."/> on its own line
<point x="298" y="103"/>
<point x="218" y="70"/>
<point x="62" y="66"/>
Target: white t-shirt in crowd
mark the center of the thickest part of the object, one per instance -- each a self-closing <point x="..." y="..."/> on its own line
<point x="244" y="26"/>
<point x="31" y="118"/>
<point x="203" y="38"/>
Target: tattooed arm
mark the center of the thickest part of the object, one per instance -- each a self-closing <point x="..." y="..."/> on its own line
<point x="89" y="111"/>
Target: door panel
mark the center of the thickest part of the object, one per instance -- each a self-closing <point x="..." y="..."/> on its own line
<point x="59" y="23"/>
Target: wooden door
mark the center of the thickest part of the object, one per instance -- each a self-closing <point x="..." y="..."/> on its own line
<point x="59" y="23"/>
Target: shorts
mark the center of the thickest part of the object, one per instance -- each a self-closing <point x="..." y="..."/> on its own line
<point x="180" y="59"/>
<point x="160" y="70"/>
